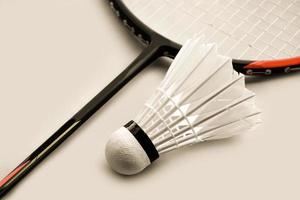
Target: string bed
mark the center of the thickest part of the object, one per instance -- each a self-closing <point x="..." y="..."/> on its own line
<point x="243" y="29"/>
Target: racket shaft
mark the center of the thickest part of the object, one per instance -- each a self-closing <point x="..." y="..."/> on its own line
<point x="144" y="59"/>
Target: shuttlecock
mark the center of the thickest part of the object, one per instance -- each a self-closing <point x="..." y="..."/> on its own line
<point x="201" y="98"/>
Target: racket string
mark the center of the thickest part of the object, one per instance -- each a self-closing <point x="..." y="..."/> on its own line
<point x="264" y="29"/>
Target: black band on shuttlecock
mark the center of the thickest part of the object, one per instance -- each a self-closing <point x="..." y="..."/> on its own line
<point x="143" y="139"/>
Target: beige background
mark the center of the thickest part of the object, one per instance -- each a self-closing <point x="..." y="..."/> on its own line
<point x="56" y="55"/>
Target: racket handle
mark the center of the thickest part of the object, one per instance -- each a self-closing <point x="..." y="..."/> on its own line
<point x="149" y="54"/>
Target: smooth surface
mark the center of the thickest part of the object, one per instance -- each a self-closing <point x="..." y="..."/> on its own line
<point x="43" y="42"/>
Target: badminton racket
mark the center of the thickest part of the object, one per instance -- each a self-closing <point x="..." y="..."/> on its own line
<point x="262" y="37"/>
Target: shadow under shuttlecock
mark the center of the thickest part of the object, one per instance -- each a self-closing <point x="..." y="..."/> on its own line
<point x="173" y="156"/>
<point x="149" y="170"/>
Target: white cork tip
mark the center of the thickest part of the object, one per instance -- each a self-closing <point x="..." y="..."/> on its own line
<point x="124" y="153"/>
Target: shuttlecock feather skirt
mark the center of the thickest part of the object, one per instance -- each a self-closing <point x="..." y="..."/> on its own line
<point x="201" y="98"/>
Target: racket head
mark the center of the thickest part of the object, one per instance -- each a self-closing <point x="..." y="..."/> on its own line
<point x="255" y="30"/>
<point x="247" y="31"/>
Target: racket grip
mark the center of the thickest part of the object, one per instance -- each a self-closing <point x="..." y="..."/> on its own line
<point x="148" y="55"/>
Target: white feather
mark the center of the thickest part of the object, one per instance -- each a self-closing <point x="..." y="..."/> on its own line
<point x="201" y="98"/>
